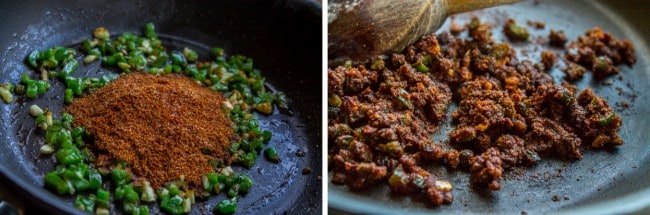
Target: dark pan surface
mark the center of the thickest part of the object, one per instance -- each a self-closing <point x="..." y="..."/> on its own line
<point x="591" y="183"/>
<point x="282" y="36"/>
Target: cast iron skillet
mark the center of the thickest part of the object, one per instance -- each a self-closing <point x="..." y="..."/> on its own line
<point x="603" y="181"/>
<point x="282" y="36"/>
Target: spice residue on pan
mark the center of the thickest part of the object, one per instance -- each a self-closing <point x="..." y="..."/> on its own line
<point x="137" y="119"/>
<point x="511" y="113"/>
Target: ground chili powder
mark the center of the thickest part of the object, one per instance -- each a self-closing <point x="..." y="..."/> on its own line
<point x="165" y="127"/>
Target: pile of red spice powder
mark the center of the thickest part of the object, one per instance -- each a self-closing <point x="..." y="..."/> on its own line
<point x="165" y="127"/>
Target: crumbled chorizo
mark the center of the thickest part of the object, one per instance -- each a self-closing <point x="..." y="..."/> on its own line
<point x="510" y="111"/>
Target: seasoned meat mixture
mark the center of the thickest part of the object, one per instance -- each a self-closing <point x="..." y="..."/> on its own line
<point x="557" y="38"/>
<point x="548" y="59"/>
<point x="601" y="52"/>
<point x="510" y="112"/>
<point x="573" y="72"/>
<point x="380" y="118"/>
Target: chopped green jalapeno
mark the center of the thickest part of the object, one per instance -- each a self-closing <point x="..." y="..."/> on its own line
<point x="150" y="30"/>
<point x="421" y="67"/>
<point x="178" y="59"/>
<point x="226" y="206"/>
<point x="101" y="33"/>
<point x="190" y="54"/>
<point x="32" y="59"/>
<point x="54" y="181"/>
<point x="272" y="154"/>
<point x="607" y="120"/>
<point x="172" y="205"/>
<point x="70" y="155"/>
<point x="85" y="204"/>
<point x="120" y="176"/>
<point x="103" y="197"/>
<point x="516" y="32"/>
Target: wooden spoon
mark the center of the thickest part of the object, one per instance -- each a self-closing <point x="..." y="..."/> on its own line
<point x="359" y="29"/>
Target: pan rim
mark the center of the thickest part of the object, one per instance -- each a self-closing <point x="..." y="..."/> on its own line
<point x="31" y="191"/>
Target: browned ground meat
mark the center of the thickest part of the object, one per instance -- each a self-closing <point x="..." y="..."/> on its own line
<point x="536" y="24"/>
<point x="600" y="124"/>
<point x="573" y="72"/>
<point x="548" y="59"/>
<point x="557" y="38"/>
<point x="487" y="169"/>
<point x="380" y="119"/>
<point x="481" y="32"/>
<point x="510" y="114"/>
<point x="600" y="52"/>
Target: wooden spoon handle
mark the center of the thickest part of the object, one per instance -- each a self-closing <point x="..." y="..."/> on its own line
<point x="359" y="29"/>
<point x="459" y="6"/>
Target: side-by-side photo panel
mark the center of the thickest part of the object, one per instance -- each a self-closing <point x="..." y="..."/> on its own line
<point x="487" y="107"/>
<point x="161" y="107"/>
